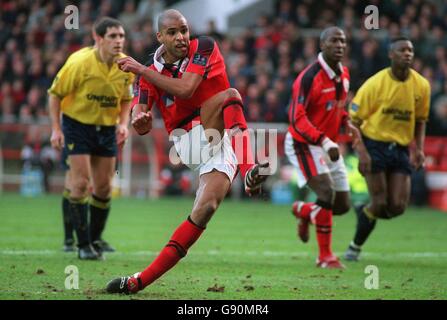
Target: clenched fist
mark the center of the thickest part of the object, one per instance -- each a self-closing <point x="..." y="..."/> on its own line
<point x="129" y="64"/>
<point x="142" y="122"/>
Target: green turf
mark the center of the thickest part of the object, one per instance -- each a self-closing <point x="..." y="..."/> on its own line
<point x="250" y="249"/>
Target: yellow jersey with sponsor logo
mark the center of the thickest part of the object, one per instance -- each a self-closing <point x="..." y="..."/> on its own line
<point x="389" y="107"/>
<point x="89" y="90"/>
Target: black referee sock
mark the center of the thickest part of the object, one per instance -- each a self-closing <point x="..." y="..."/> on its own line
<point x="364" y="228"/>
<point x="99" y="212"/>
<point x="79" y="218"/>
<point x="68" y="226"/>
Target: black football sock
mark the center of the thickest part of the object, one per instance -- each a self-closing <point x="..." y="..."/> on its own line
<point x="99" y="212"/>
<point x="365" y="225"/>
<point x="68" y="226"/>
<point x="79" y="218"/>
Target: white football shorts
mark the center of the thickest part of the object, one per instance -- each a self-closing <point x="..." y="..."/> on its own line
<point x="311" y="160"/>
<point x="196" y="153"/>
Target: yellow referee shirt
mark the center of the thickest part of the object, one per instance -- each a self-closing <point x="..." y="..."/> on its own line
<point x="389" y="107"/>
<point x="89" y="90"/>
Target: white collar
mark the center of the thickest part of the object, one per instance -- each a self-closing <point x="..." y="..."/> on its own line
<point x="331" y="74"/>
<point x="158" y="58"/>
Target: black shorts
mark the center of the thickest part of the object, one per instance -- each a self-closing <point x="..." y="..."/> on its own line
<point x="88" y="139"/>
<point x="65" y="164"/>
<point x="388" y="157"/>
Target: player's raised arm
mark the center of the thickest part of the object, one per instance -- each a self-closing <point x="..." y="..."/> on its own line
<point x="183" y="88"/>
<point x="188" y="61"/>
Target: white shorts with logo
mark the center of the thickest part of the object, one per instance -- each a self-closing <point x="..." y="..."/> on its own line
<point x="197" y="154"/>
<point x="311" y="160"/>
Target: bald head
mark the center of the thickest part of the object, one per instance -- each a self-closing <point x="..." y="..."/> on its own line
<point x="173" y="33"/>
<point x="328" y="32"/>
<point x="167" y="15"/>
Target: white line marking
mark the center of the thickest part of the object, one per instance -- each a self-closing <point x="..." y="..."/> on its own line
<point x="237" y="253"/>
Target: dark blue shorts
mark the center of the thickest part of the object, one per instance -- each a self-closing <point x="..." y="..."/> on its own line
<point x="388" y="157"/>
<point x="65" y="162"/>
<point x="88" y="139"/>
<point x="64" y="158"/>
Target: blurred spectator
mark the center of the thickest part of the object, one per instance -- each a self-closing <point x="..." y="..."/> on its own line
<point x="437" y="125"/>
<point x="176" y="179"/>
<point x="213" y="32"/>
<point x="149" y="8"/>
<point x="48" y="159"/>
<point x="128" y="16"/>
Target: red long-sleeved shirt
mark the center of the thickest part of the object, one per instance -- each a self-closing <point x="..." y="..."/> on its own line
<point x="318" y="103"/>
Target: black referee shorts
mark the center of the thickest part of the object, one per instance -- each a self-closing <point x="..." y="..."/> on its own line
<point x="88" y="139"/>
<point x="388" y="157"/>
<point x="65" y="164"/>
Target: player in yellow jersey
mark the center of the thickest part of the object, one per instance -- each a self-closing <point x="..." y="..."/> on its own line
<point x="69" y="242"/>
<point x="390" y="109"/>
<point x="94" y="97"/>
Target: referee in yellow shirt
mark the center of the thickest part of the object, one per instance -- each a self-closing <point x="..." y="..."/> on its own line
<point x="390" y="109"/>
<point x="94" y="97"/>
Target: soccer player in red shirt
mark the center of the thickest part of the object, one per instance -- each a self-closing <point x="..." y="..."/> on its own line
<point x="188" y="84"/>
<point x="317" y="112"/>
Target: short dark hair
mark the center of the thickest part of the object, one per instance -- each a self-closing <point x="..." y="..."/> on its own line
<point x="326" y="33"/>
<point x="397" y="39"/>
<point x="103" y="23"/>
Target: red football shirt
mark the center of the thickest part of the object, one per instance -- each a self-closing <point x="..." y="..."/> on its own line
<point x="318" y="102"/>
<point x="205" y="59"/>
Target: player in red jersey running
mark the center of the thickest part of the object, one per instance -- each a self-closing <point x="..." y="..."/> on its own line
<point x="188" y="84"/>
<point x="316" y="114"/>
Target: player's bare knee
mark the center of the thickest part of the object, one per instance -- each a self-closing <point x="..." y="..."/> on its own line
<point x="232" y="93"/>
<point x="80" y="187"/>
<point x="321" y="185"/>
<point x="379" y="210"/>
<point x="203" y="213"/>
<point x="210" y="207"/>
<point x="325" y="193"/>
<point x="341" y="209"/>
<point x="396" y="209"/>
<point x="378" y="204"/>
<point x="103" y="191"/>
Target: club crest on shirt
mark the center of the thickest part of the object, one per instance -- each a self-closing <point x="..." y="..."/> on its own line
<point x="200" y="60"/>
<point x="417" y="99"/>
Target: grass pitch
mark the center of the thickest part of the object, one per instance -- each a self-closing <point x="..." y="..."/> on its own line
<point x="249" y="251"/>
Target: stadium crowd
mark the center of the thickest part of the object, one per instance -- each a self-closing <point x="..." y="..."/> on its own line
<point x="262" y="61"/>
